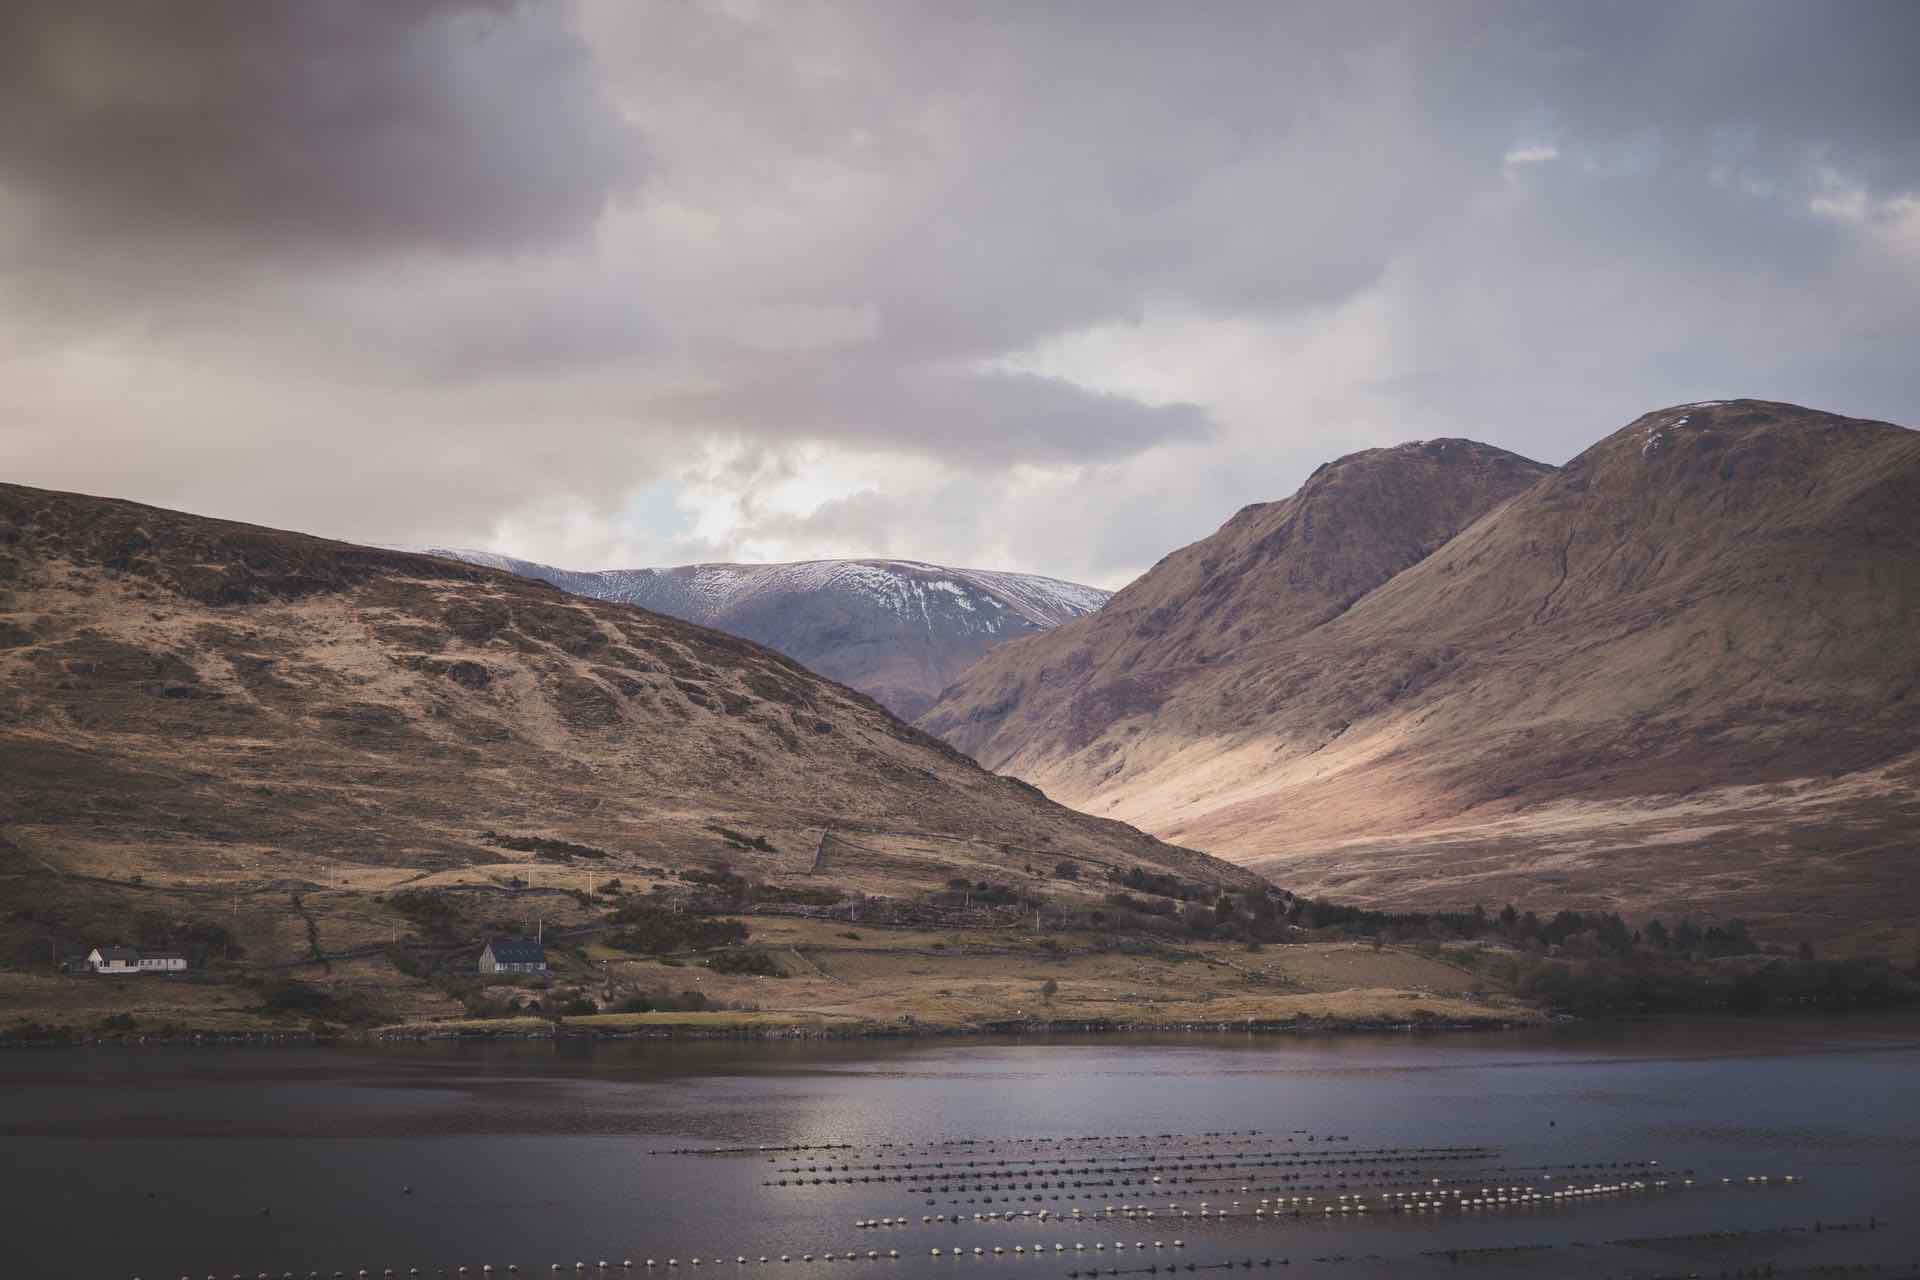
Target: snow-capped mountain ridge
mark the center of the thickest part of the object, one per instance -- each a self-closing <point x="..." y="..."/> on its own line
<point x="900" y="630"/>
<point x="898" y="585"/>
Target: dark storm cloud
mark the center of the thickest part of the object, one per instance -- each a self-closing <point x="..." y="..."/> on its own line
<point x="1742" y="78"/>
<point x="279" y="125"/>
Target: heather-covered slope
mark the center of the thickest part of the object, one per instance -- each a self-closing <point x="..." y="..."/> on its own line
<point x="196" y="698"/>
<point x="1086" y="705"/>
<point x="1677" y="674"/>
<point x="897" y="630"/>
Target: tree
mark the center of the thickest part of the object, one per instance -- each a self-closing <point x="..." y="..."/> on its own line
<point x="1049" y="989"/>
<point x="1658" y="936"/>
<point x="1614" y="934"/>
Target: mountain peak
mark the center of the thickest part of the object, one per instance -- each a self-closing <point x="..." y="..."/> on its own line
<point x="1658" y="677"/>
<point x="898" y="630"/>
<point x="1274" y="571"/>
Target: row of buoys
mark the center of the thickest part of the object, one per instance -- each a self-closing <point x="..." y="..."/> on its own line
<point x="991" y="1145"/>
<point x="1244" y="1189"/>
<point x="978" y="1179"/>
<point x="1515" y="1194"/>
<point x="1129" y="1169"/>
<point x="1020" y="1250"/>
<point x="1142" y="1176"/>
<point x="1464" y="1177"/>
<point x="750" y="1151"/>
<point x="1171" y="1267"/>
<point x="1357" y="1153"/>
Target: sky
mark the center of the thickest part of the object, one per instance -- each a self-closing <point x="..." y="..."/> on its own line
<point x="1053" y="287"/>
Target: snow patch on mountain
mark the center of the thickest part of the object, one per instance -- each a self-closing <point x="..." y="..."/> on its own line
<point x="937" y="596"/>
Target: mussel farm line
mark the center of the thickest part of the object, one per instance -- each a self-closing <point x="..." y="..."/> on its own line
<point x="1119" y="1205"/>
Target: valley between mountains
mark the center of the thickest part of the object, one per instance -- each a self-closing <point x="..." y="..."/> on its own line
<point x="1673" y="678"/>
<point x="327" y="773"/>
<point x="1679" y="674"/>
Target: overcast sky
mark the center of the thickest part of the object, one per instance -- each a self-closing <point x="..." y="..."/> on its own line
<point x="1044" y="286"/>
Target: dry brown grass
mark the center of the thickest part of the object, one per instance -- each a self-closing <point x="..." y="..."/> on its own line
<point x="975" y="979"/>
<point x="1677" y="675"/>
<point x="153" y="1002"/>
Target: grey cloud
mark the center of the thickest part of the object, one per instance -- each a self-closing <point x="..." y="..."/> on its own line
<point x="970" y="417"/>
<point x="419" y="234"/>
<point x="274" y="124"/>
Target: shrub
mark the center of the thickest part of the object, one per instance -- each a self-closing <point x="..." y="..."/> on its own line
<point x="431" y="912"/>
<point x="800" y="895"/>
<point x="1163" y="885"/>
<point x="290" y="995"/>
<point x="407" y="962"/>
<point x="745" y="960"/>
<point x="540" y="846"/>
<point x="652" y="930"/>
<point x="664" y="1002"/>
<point x="740" y="840"/>
<point x="206" y="937"/>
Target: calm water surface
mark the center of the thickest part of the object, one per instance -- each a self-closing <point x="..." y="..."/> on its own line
<point x="175" y="1161"/>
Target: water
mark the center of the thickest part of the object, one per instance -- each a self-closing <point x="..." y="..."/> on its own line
<point x="195" y="1161"/>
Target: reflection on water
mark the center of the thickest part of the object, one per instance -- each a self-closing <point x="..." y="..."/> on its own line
<point x="171" y="1161"/>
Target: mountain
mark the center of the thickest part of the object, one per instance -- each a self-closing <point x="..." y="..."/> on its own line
<point x="196" y="698"/>
<point x="897" y="630"/>
<point x="1084" y="705"/>
<point x="1678" y="673"/>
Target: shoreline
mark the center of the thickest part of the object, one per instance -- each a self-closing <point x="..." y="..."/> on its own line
<point x="522" y="1030"/>
<point x="747" y="1031"/>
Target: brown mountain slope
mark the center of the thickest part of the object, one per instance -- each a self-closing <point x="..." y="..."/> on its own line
<point x="899" y="631"/>
<point x="199" y="699"/>
<point x="1086" y="704"/>
<point x="1679" y="673"/>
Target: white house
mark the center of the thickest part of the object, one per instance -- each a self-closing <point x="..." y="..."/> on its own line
<point x="113" y="960"/>
<point x="119" y="960"/>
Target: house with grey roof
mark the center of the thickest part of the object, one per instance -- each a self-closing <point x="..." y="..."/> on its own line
<point x="513" y="955"/>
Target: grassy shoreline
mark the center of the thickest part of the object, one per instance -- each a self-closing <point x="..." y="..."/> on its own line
<point x="747" y="1026"/>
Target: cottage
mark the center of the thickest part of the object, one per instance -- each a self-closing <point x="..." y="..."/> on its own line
<point x="513" y="955"/>
<point x="119" y="960"/>
<point x="115" y="960"/>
